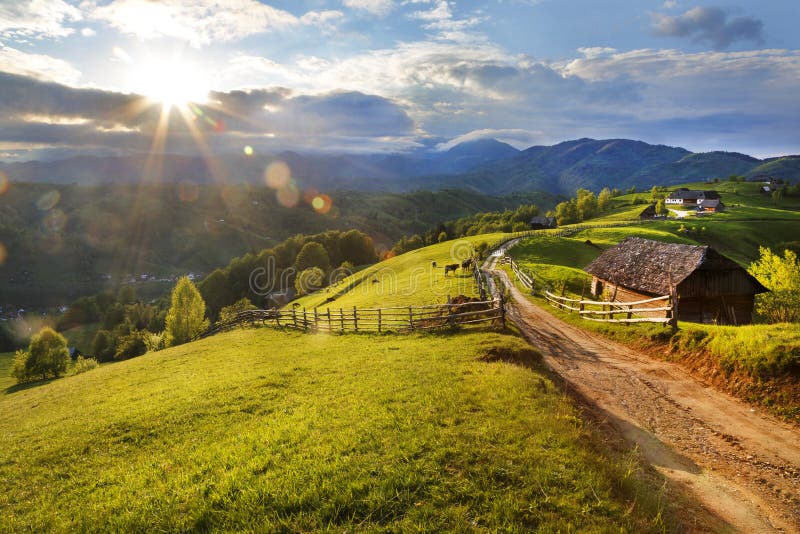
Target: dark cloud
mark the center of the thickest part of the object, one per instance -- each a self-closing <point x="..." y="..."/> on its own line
<point x="39" y="112"/>
<point x="711" y="24"/>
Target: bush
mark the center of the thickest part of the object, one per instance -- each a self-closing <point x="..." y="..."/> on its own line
<point x="154" y="342"/>
<point x="131" y="345"/>
<point x="229" y="312"/>
<point x="103" y="346"/>
<point x="82" y="365"/>
<point x="47" y="356"/>
<point x="309" y="281"/>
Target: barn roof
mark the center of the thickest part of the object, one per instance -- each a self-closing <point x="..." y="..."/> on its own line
<point x="653" y="267"/>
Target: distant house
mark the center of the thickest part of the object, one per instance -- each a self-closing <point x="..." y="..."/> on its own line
<point x="765" y="189"/>
<point x="710" y="205"/>
<point x="540" y="223"/>
<point x="709" y="287"/>
<point x="648" y="213"/>
<point x="686" y="198"/>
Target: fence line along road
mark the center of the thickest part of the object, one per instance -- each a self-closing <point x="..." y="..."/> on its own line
<point x="608" y="309"/>
<point x="401" y="319"/>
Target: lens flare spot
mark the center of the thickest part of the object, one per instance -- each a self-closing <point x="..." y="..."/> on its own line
<point x="322" y="204"/>
<point x="277" y="175"/>
<point x="54" y="222"/>
<point x="248" y="150"/>
<point x="3" y="254"/>
<point x="288" y="196"/>
<point x="4" y="183"/>
<point x="188" y="191"/>
<point x="49" y="200"/>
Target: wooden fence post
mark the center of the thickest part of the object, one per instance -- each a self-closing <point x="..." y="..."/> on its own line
<point x="410" y="318"/>
<point x="294" y="316"/>
<point x="355" y="318"/>
<point x="316" y="319"/>
<point x="379" y="320"/>
<point x="305" y="320"/>
<point x="502" y="311"/>
<point x="341" y="316"/>
<point x="330" y="327"/>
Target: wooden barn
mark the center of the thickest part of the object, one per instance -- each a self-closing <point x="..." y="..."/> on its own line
<point x="709" y="287"/>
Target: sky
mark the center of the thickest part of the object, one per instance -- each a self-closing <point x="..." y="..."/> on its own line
<point x="211" y="76"/>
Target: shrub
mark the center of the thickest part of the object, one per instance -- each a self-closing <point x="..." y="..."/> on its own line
<point x="309" y="281"/>
<point x="131" y="345"/>
<point x="47" y="356"/>
<point x="82" y="365"/>
<point x="781" y="275"/>
<point x="229" y="312"/>
<point x="103" y="346"/>
<point x="154" y="342"/>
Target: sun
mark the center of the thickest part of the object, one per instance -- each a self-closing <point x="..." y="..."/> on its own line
<point x="173" y="83"/>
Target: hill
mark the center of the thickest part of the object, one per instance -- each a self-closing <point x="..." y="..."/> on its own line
<point x="272" y="431"/>
<point x="486" y="165"/>
<point x="68" y="241"/>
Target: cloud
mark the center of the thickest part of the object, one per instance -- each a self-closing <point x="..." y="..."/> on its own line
<point x="711" y="24"/>
<point x="518" y="138"/>
<point x="202" y="22"/>
<point x="37" y="18"/>
<point x="37" y="66"/>
<point x="379" y="8"/>
<point x="40" y="112"/>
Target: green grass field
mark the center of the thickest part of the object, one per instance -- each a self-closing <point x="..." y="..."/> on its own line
<point x="6" y="380"/>
<point x="406" y="280"/>
<point x="260" y="430"/>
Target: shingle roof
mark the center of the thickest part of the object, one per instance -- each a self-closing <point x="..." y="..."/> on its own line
<point x="654" y="267"/>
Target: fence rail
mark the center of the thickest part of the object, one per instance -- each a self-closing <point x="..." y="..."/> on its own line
<point x="608" y="309"/>
<point x="390" y="319"/>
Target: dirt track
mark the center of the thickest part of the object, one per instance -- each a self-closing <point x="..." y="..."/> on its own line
<point x="740" y="464"/>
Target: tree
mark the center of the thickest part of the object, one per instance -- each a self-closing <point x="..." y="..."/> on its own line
<point x="781" y="275"/>
<point x="103" y="346"/>
<point x="309" y="280"/>
<point x="186" y="315"/>
<point x="132" y="345"/>
<point x="567" y="212"/>
<point x="47" y="355"/>
<point x="586" y="204"/>
<point x="312" y="255"/>
<point x="216" y="292"/>
<point x="661" y="207"/>
<point x="126" y="294"/>
<point x="604" y="200"/>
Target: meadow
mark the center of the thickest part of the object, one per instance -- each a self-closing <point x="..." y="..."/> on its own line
<point x="264" y="430"/>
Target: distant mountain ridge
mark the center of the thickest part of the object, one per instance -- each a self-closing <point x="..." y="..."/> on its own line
<point x="485" y="165"/>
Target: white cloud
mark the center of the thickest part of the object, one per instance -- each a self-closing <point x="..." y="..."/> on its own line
<point x="37" y="66"/>
<point x="516" y="137"/>
<point x="203" y="22"/>
<point x="37" y="18"/>
<point x="379" y="8"/>
<point x="88" y="32"/>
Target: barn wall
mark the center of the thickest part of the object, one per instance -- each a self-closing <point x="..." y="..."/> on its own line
<point x="716" y="283"/>
<point x="731" y="309"/>
<point x="624" y="294"/>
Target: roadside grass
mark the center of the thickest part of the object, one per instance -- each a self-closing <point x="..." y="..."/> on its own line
<point x="405" y="280"/>
<point x="263" y="430"/>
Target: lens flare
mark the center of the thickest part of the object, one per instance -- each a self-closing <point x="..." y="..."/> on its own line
<point x="322" y="204"/>
<point x="248" y="150"/>
<point x="277" y="175"/>
<point x="188" y="191"/>
<point x="3" y="254"/>
<point x="49" y="200"/>
<point x="4" y="183"/>
<point x="288" y="196"/>
<point x="54" y="222"/>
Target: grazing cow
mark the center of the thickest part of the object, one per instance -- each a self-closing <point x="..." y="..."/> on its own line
<point x="466" y="264"/>
<point x="452" y="267"/>
<point x="433" y="264"/>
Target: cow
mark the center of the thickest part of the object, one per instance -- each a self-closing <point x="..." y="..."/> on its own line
<point x="452" y="267"/>
<point x="433" y="264"/>
<point x="466" y="264"/>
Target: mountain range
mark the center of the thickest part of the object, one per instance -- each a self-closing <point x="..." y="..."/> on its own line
<point x="486" y="166"/>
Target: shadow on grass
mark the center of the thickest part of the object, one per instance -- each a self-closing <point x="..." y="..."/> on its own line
<point x="29" y="385"/>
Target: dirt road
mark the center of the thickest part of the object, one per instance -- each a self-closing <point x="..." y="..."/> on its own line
<point x="739" y="463"/>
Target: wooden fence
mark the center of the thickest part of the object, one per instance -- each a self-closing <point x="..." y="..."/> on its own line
<point x="605" y="311"/>
<point x="391" y="319"/>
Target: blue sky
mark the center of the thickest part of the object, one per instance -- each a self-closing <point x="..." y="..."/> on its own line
<point x="395" y="75"/>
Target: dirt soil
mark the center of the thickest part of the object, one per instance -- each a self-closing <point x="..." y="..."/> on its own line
<point x="738" y="463"/>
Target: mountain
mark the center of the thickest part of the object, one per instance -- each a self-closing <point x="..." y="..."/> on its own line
<point x="487" y="166"/>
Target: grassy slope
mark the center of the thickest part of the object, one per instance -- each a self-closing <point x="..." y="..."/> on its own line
<point x="264" y="430"/>
<point x="5" y="369"/>
<point x="408" y="279"/>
